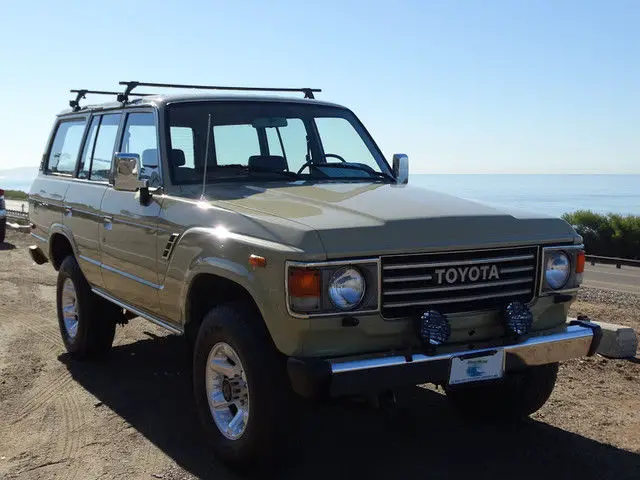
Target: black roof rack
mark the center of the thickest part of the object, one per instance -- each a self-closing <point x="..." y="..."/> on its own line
<point x="308" y="92"/>
<point x="80" y="94"/>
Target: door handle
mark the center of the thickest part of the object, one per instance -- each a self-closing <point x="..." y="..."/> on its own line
<point x="108" y="223"/>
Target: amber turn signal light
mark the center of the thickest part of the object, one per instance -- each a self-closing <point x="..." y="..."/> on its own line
<point x="304" y="282"/>
<point x="580" y="259"/>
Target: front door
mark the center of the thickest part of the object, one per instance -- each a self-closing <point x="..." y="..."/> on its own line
<point x="129" y="229"/>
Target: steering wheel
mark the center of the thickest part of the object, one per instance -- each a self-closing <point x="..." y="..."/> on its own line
<point x="327" y="155"/>
<point x="333" y="155"/>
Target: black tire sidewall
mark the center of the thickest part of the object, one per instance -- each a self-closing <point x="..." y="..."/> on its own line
<point x="95" y="331"/>
<point x="268" y="390"/>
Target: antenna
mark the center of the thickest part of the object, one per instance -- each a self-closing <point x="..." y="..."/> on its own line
<point x="206" y="159"/>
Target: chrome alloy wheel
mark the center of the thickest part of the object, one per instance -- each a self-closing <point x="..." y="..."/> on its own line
<point x="70" y="308"/>
<point x="227" y="391"/>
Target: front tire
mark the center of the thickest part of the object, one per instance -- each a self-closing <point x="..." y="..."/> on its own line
<point x="87" y="322"/>
<point x="240" y="386"/>
<point x="516" y="397"/>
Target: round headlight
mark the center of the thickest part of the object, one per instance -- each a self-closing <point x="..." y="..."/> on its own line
<point x="557" y="270"/>
<point x="346" y="288"/>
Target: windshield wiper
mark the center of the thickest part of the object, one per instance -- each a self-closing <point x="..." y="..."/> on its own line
<point x="362" y="168"/>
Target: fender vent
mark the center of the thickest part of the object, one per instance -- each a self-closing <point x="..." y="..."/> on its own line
<point x="170" y="244"/>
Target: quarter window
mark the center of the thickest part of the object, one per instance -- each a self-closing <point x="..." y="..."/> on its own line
<point x="104" y="147"/>
<point x="66" y="146"/>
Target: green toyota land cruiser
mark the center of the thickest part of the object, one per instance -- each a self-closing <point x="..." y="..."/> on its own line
<point x="272" y="233"/>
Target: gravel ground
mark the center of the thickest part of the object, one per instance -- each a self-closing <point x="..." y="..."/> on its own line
<point x="131" y="416"/>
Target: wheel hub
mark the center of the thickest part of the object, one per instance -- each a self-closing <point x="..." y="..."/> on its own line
<point x="70" y="308"/>
<point x="227" y="391"/>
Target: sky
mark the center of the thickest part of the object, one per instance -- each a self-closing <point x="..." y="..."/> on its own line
<point x="460" y="86"/>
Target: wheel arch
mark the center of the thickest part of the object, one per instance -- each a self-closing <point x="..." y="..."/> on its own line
<point x="60" y="246"/>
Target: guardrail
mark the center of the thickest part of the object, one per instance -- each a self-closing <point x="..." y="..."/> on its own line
<point x="17" y="214"/>
<point x="618" y="262"/>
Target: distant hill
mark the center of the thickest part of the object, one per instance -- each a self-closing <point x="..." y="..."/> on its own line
<point x="19" y="178"/>
<point x="19" y="173"/>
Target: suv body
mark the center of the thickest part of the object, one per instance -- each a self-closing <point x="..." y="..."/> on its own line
<point x="354" y="281"/>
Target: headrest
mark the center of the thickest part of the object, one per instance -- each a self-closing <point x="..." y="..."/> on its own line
<point x="267" y="162"/>
<point x="177" y="157"/>
<point x="150" y="157"/>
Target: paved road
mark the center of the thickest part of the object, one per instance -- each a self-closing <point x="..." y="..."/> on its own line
<point x="608" y="277"/>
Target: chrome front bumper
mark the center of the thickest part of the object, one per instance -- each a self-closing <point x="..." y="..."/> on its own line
<point x="315" y="377"/>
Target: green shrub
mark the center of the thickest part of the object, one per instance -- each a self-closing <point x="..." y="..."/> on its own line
<point x="15" y="195"/>
<point x="609" y="235"/>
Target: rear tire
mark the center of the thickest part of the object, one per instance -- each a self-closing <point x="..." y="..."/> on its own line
<point x="256" y="372"/>
<point x="87" y="322"/>
<point x="3" y="229"/>
<point x="517" y="396"/>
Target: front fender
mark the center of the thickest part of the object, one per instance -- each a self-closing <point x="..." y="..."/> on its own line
<point x="225" y="254"/>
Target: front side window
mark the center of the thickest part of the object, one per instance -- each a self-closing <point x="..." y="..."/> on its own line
<point x="66" y="146"/>
<point x="140" y="136"/>
<point x="104" y="147"/>
<point x="273" y="140"/>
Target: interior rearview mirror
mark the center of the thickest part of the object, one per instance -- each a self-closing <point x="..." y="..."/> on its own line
<point x="401" y="168"/>
<point x="126" y="174"/>
<point x="269" y="122"/>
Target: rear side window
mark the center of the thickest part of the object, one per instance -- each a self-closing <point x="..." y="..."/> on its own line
<point x="87" y="153"/>
<point x="104" y="147"/>
<point x="66" y="146"/>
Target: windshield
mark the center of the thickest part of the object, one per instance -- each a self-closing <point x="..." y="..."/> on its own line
<point x="270" y="140"/>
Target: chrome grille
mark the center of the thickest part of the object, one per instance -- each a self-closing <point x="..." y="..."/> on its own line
<point x="457" y="281"/>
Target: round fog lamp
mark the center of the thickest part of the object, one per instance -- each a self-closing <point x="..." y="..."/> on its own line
<point x="518" y="318"/>
<point x="557" y="270"/>
<point x="433" y="328"/>
<point x="346" y="288"/>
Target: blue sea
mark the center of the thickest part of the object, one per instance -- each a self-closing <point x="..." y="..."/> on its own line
<point x="548" y="194"/>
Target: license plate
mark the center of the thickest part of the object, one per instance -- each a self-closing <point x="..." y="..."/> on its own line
<point x="477" y="368"/>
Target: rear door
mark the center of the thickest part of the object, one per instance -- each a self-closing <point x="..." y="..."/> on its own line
<point x="58" y="167"/>
<point x="129" y="228"/>
<point x="83" y="200"/>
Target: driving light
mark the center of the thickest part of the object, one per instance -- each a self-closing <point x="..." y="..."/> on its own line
<point x="518" y="318"/>
<point x="433" y="328"/>
<point x="557" y="270"/>
<point x="346" y="288"/>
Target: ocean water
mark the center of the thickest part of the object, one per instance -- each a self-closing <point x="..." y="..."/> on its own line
<point x="548" y="194"/>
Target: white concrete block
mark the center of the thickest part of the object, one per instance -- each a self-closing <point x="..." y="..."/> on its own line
<point x="617" y="341"/>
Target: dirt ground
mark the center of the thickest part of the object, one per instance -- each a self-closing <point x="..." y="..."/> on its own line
<point x="131" y="416"/>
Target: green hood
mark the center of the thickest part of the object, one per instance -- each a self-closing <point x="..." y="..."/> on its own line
<point x="364" y="219"/>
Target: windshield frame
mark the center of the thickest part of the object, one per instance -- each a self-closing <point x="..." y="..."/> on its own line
<point x="315" y="141"/>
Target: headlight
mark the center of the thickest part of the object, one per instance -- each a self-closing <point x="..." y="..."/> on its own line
<point x="346" y="288"/>
<point x="557" y="270"/>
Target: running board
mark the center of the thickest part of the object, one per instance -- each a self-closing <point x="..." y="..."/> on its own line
<point x="138" y="312"/>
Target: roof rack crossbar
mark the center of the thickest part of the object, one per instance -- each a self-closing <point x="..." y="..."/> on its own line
<point x="80" y="94"/>
<point x="308" y="92"/>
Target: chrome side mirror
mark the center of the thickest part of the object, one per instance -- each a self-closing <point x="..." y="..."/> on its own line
<point x="126" y="174"/>
<point x="401" y="168"/>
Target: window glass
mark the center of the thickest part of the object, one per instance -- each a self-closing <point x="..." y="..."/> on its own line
<point x="104" y="147"/>
<point x="235" y="144"/>
<point x="140" y="136"/>
<point x="66" y="146"/>
<point x="182" y="139"/>
<point x="85" y="161"/>
<point x="338" y="137"/>
<point x="294" y="139"/>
